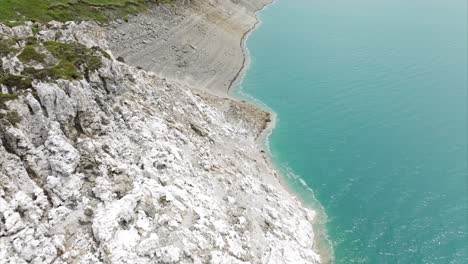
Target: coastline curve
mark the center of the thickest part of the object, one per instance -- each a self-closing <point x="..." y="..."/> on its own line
<point x="286" y="175"/>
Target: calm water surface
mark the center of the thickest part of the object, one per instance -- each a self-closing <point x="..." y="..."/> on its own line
<point x="371" y="97"/>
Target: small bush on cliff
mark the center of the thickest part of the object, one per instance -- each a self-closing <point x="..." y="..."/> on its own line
<point x="15" y="81"/>
<point x="29" y="54"/>
<point x="73" y="58"/>
<point x="13" y="117"/>
<point x="37" y="74"/>
<point x="64" y="70"/>
<point x="6" y="97"/>
<point x="6" y="47"/>
<point x="31" y="40"/>
<point x="75" y="54"/>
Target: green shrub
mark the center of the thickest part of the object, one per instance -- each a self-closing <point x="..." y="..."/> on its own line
<point x="35" y="29"/>
<point x="31" y="40"/>
<point x="39" y="74"/>
<point x="13" y="117"/>
<point x="6" y="47"/>
<point x="6" y="97"/>
<point x="29" y="54"/>
<point x="64" y="70"/>
<point x="20" y="82"/>
<point x="76" y="54"/>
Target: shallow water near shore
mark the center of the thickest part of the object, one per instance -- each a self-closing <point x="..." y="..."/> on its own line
<point x="371" y="98"/>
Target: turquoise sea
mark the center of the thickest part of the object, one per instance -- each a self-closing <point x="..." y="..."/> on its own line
<point x="371" y="98"/>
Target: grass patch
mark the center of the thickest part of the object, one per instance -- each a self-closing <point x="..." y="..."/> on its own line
<point x="31" y="40"/>
<point x="64" y="70"/>
<point x="76" y="54"/>
<point x="73" y="59"/>
<point x="34" y="29"/>
<point x="29" y="54"/>
<point x="6" y="97"/>
<point x="39" y="74"/>
<point x="17" y="11"/>
<point x="13" y="117"/>
<point x="6" y="47"/>
<point x="20" y="82"/>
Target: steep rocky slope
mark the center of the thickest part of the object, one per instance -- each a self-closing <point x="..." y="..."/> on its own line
<point x="196" y="41"/>
<point x="103" y="163"/>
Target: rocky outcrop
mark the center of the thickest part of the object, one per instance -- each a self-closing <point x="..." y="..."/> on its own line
<point x="124" y="166"/>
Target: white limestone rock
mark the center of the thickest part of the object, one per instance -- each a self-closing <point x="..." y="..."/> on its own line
<point x="139" y="169"/>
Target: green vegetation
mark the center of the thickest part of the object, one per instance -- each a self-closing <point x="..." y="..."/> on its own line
<point x="64" y="70"/>
<point x="6" y="97"/>
<point x="34" y="29"/>
<point x="13" y="117"/>
<point x="70" y="61"/>
<point x="72" y="58"/>
<point x="75" y="54"/>
<point x="18" y="11"/>
<point x="20" y="82"/>
<point x="6" y="47"/>
<point x="10" y="118"/>
<point x="31" y="40"/>
<point x="29" y="54"/>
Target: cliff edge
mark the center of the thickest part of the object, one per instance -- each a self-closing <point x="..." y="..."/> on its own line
<point x="101" y="162"/>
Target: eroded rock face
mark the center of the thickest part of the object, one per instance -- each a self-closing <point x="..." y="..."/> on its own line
<point x="127" y="167"/>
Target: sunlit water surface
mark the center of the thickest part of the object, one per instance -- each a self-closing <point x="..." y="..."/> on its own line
<point x="371" y="97"/>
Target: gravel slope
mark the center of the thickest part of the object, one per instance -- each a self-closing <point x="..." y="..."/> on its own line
<point x="197" y="42"/>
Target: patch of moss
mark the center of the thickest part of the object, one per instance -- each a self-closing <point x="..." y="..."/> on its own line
<point x="74" y="61"/>
<point x="6" y="47"/>
<point x="13" y="117"/>
<point x="20" y="82"/>
<point x="72" y="58"/>
<point x="58" y="35"/>
<point x="35" y="29"/>
<point x="77" y="55"/>
<point x="39" y="74"/>
<point x="29" y="54"/>
<point x="31" y="40"/>
<point x="6" y="97"/>
<point x="74" y="53"/>
<point x="65" y="70"/>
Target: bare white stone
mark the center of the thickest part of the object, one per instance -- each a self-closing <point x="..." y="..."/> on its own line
<point x="114" y="172"/>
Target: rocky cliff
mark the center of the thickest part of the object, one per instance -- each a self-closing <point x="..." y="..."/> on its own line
<point x="103" y="163"/>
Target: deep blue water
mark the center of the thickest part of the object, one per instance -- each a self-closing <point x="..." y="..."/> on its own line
<point x="371" y="97"/>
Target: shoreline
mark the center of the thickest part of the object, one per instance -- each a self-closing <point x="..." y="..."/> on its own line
<point x="324" y="248"/>
<point x="245" y="54"/>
